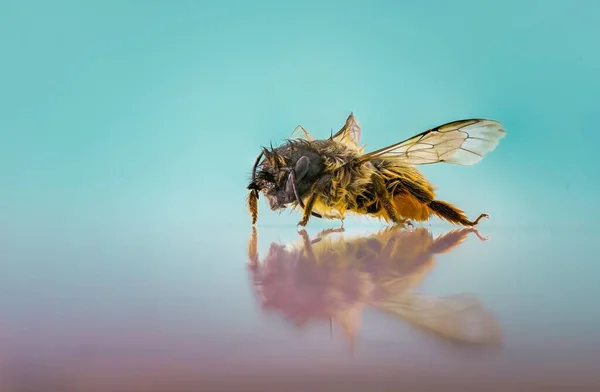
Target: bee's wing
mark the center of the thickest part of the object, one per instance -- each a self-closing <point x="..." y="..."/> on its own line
<point x="462" y="142"/>
<point x="301" y="133"/>
<point x="458" y="317"/>
<point x="350" y="132"/>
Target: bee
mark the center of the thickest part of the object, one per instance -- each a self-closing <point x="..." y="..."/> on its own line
<point x="328" y="178"/>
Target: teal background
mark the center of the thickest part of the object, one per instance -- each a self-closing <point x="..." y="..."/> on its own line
<point x="135" y="112"/>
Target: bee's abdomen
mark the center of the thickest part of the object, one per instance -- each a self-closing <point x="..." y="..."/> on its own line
<point x="408" y="191"/>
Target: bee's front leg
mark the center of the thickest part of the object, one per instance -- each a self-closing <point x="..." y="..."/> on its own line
<point x="318" y="188"/>
<point x="308" y="209"/>
<point x="252" y="202"/>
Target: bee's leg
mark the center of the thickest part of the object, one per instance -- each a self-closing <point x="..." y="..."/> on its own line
<point x="447" y="211"/>
<point x="385" y="198"/>
<point x="317" y="189"/>
<point x="308" y="209"/>
<point x="383" y="195"/>
<point x="252" y="201"/>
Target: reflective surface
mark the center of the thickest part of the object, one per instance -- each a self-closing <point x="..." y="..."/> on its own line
<point x="362" y="309"/>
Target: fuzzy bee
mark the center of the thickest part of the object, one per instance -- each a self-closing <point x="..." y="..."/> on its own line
<point x="331" y="177"/>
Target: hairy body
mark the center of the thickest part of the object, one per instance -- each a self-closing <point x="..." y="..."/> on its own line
<point x="332" y="177"/>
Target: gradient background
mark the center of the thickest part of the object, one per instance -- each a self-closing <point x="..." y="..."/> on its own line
<point x="129" y="129"/>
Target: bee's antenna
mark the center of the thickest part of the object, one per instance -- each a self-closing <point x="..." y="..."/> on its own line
<point x="256" y="165"/>
<point x="266" y="153"/>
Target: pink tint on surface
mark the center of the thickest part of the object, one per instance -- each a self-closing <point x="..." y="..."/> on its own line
<point x="330" y="312"/>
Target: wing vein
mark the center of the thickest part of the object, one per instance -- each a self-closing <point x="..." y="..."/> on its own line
<point x="463" y="142"/>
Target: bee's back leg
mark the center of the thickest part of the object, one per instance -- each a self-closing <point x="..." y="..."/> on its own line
<point x="452" y="214"/>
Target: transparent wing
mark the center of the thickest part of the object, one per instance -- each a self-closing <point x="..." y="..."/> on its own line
<point x="459" y="317"/>
<point x="463" y="142"/>
<point x="301" y="133"/>
<point x="350" y="132"/>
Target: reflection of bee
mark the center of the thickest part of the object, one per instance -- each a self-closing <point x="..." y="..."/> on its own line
<point x="328" y="178"/>
<point x="336" y="277"/>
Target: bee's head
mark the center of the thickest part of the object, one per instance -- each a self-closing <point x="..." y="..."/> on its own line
<point x="273" y="175"/>
<point x="269" y="177"/>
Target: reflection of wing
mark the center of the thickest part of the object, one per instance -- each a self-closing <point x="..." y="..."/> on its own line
<point x="350" y="132"/>
<point x="457" y="317"/>
<point x="301" y="133"/>
<point x="462" y="142"/>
